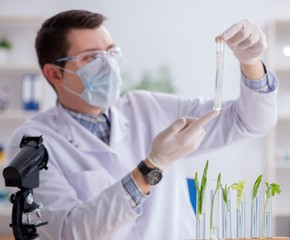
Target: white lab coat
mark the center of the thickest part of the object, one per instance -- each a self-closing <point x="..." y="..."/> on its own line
<point x="81" y="191"/>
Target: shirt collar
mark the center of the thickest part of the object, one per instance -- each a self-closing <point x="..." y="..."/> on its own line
<point x="99" y="125"/>
<point x="87" y="117"/>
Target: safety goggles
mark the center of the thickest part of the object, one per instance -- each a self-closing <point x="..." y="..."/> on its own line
<point x="86" y="57"/>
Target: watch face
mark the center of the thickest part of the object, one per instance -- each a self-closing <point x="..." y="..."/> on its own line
<point x="154" y="177"/>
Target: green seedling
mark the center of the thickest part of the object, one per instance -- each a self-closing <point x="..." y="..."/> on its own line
<point x="200" y="189"/>
<point x="218" y="186"/>
<point x="256" y="186"/>
<point x="225" y="194"/>
<point x="240" y="188"/>
<point x="271" y="190"/>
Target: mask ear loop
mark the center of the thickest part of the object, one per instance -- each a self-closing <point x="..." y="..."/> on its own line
<point x="65" y="70"/>
<point x="71" y="91"/>
<point x="63" y="85"/>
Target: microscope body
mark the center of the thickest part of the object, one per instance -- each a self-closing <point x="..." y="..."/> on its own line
<point x="23" y="172"/>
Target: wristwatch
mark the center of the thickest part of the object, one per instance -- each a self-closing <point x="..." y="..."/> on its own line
<point x="152" y="175"/>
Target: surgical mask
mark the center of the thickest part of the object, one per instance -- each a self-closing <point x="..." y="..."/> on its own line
<point x="102" y="82"/>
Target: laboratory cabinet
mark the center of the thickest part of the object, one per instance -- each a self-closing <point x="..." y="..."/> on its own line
<point x="22" y="89"/>
<point x="278" y="149"/>
<point x="21" y="85"/>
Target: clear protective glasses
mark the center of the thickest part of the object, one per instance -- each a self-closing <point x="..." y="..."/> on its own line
<point x="86" y="57"/>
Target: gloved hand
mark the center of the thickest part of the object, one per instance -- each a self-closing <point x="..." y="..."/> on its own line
<point x="247" y="41"/>
<point x="178" y="140"/>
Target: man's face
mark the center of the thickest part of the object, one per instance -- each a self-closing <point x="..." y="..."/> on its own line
<point x="82" y="40"/>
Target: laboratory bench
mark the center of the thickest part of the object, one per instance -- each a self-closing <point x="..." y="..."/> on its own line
<point x="272" y="238"/>
<point x="7" y="237"/>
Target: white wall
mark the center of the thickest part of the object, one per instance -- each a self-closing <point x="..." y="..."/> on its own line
<point x="180" y="33"/>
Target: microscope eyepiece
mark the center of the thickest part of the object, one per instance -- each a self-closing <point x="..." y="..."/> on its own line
<point x="23" y="171"/>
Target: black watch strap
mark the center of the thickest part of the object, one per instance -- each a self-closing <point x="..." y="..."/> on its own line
<point x="143" y="168"/>
<point x="151" y="175"/>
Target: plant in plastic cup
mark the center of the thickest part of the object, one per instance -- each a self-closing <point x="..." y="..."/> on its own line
<point x="200" y="212"/>
<point x="271" y="190"/>
<point x="226" y="212"/>
<point x="255" y="209"/>
<point x="240" y="188"/>
<point x="213" y="234"/>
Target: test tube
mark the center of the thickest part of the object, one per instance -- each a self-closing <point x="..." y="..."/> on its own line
<point x="219" y="74"/>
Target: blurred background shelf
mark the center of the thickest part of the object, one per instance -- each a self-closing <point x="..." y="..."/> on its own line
<point x="17" y="68"/>
<point x="16" y="114"/>
<point x="278" y="148"/>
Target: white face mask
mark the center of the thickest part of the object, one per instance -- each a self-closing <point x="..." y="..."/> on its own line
<point x="102" y="82"/>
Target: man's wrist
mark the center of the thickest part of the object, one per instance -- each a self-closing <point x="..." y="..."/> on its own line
<point x="140" y="181"/>
<point x="253" y="72"/>
<point x="151" y="174"/>
<point x="149" y="164"/>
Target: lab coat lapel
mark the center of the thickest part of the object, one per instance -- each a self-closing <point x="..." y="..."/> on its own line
<point x="85" y="140"/>
<point x="119" y="126"/>
<point x="76" y="134"/>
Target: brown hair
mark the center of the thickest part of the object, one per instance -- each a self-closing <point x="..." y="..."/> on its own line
<point x="51" y="40"/>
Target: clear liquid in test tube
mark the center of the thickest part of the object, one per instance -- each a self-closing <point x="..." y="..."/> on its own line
<point x="219" y="74"/>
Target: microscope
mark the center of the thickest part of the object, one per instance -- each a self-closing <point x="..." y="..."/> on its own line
<point x="23" y="172"/>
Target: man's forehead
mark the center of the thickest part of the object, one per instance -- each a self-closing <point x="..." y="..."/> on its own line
<point x="89" y="39"/>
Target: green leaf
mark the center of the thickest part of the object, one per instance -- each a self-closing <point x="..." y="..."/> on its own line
<point x="256" y="186"/>
<point x="225" y="194"/>
<point x="218" y="185"/>
<point x="271" y="190"/>
<point x="196" y="182"/>
<point x="200" y="189"/>
<point x="204" y="177"/>
<point x="240" y="188"/>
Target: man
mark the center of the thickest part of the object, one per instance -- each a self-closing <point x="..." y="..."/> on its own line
<point x="106" y="153"/>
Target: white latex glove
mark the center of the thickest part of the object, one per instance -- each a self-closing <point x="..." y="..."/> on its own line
<point x="178" y="140"/>
<point x="247" y="41"/>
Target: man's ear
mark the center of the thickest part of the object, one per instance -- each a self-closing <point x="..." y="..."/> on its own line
<point x="53" y="74"/>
